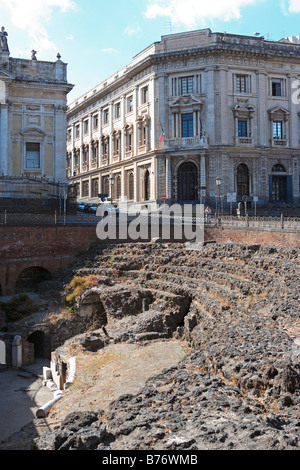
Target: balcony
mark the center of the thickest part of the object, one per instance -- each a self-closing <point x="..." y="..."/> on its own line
<point x="244" y="140"/>
<point x="186" y="142"/>
<point x="279" y="142"/>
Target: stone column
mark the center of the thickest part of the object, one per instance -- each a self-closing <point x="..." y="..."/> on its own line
<point x="168" y="178"/>
<point x="17" y="352"/>
<point x="4" y="139"/>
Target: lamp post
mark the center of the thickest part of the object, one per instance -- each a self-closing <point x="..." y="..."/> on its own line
<point x="112" y="181"/>
<point x="218" y="183"/>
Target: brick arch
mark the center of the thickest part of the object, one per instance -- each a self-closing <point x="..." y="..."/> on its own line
<point x="31" y="277"/>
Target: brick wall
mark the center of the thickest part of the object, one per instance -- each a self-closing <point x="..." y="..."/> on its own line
<point x="253" y="236"/>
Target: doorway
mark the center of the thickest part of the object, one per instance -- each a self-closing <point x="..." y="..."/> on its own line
<point x="187" y="182"/>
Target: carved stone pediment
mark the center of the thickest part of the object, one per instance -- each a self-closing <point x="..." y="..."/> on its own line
<point x="185" y="100"/>
<point x="279" y="110"/>
<point x="31" y="130"/>
<point x="243" y="109"/>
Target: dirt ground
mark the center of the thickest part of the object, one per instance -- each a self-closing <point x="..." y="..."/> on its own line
<point x="117" y="370"/>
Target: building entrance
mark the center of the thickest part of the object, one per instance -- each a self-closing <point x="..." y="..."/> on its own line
<point x="187" y="182"/>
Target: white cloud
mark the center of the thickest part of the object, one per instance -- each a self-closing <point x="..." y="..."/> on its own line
<point x="294" y="6"/>
<point x="110" y="50"/>
<point x="32" y="16"/>
<point x="133" y="29"/>
<point x="191" y="13"/>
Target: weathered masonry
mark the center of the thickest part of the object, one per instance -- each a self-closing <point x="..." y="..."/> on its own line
<point x="189" y="109"/>
<point x="33" y="100"/>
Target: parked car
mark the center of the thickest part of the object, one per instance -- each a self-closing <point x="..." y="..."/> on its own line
<point x="93" y="208"/>
<point x="80" y="206"/>
<point x="90" y="208"/>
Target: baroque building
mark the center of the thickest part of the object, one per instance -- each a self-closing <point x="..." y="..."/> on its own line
<point x="33" y="105"/>
<point x="189" y="109"/>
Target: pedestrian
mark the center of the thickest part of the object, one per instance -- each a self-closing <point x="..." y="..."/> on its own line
<point x="207" y="215"/>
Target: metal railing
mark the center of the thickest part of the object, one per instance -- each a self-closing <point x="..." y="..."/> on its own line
<point x="263" y="223"/>
<point x="57" y="218"/>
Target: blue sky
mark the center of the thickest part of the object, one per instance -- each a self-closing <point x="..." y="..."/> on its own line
<point x="97" y="38"/>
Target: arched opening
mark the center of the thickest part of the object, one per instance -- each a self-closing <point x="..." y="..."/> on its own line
<point x="2" y="353"/>
<point x="280" y="185"/>
<point x="147" y="185"/>
<point x="37" y="339"/>
<point x="30" y="279"/>
<point x="242" y="179"/>
<point x="187" y="182"/>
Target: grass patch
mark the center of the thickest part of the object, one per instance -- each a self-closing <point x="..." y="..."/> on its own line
<point x="77" y="286"/>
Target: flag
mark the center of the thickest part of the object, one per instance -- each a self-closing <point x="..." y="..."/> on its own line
<point x="162" y="133"/>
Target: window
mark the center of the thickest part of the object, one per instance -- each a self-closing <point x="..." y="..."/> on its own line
<point x="131" y="186"/>
<point x="77" y="131"/>
<point x="86" y="126"/>
<point x="187" y="85"/>
<point x="105" y="116"/>
<point x="144" y="96"/>
<point x="128" y="142"/>
<point x="277" y="87"/>
<point x="130" y="104"/>
<point x="277" y="130"/>
<point x="95" y="187"/>
<point x="242" y="128"/>
<point x="69" y="135"/>
<point x="187" y="122"/>
<point x="242" y="180"/>
<point x="85" y="189"/>
<point x="32" y="159"/>
<point x="241" y="83"/>
<point x="117" y="111"/>
<point x="95" y="122"/>
<point x="118" y="187"/>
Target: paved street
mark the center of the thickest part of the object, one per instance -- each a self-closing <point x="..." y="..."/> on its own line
<point x="21" y="394"/>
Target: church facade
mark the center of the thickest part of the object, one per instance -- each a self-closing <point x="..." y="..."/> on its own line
<point x="33" y="104"/>
<point x="195" y="117"/>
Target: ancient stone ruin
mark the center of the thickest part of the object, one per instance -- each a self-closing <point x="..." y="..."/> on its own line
<point x="237" y="310"/>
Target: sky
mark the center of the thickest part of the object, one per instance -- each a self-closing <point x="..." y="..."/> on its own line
<point x="97" y="38"/>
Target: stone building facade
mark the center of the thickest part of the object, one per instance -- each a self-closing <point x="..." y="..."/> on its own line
<point x="33" y="104"/>
<point x="190" y="109"/>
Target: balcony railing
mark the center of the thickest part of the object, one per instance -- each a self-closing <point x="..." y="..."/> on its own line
<point x="178" y="142"/>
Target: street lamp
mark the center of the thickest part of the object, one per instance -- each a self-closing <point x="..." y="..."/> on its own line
<point x="112" y="181"/>
<point x="218" y="183"/>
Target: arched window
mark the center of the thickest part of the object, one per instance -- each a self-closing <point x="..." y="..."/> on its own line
<point x="147" y="185"/>
<point x="242" y="179"/>
<point x="105" y="188"/>
<point x="118" y="187"/>
<point x="187" y="182"/>
<point x="131" y="186"/>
